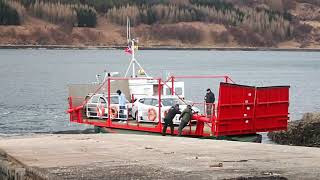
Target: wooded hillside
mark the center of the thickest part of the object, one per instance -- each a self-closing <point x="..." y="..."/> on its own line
<point x="257" y="23"/>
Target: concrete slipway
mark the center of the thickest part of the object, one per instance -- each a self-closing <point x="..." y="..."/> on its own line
<point x="129" y="156"/>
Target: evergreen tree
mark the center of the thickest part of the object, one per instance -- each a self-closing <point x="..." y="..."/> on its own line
<point x="8" y="15"/>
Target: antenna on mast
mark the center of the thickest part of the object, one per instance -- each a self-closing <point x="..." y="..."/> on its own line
<point x="128" y="30"/>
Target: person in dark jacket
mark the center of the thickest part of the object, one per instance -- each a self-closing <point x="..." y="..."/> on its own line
<point x="173" y="111"/>
<point x="209" y="99"/>
<point x="185" y="117"/>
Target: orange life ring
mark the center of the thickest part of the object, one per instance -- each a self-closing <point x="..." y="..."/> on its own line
<point x="114" y="112"/>
<point x="152" y="114"/>
<point x="100" y="110"/>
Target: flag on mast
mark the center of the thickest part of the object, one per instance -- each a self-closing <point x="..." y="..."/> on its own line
<point x="128" y="50"/>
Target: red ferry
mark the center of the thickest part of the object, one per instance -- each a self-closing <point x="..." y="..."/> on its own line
<point x="240" y="109"/>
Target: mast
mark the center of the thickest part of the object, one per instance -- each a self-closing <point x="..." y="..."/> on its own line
<point x="132" y="45"/>
<point x="133" y="59"/>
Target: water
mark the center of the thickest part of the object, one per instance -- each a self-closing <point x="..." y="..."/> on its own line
<point x="33" y="93"/>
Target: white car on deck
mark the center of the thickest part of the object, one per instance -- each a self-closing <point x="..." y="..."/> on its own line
<point x="146" y="109"/>
<point x="97" y="106"/>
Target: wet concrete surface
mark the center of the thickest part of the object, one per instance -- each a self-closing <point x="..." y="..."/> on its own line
<point x="129" y="156"/>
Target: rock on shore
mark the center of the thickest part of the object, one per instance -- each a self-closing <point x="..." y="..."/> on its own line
<point x="304" y="132"/>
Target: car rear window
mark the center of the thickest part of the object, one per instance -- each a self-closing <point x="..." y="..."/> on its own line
<point x="114" y="100"/>
<point x="148" y="101"/>
<point x="155" y="102"/>
<point x="102" y="100"/>
<point x="95" y="99"/>
<point x="171" y="101"/>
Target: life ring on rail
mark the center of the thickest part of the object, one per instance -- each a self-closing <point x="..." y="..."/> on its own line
<point x="114" y="112"/>
<point x="152" y="114"/>
<point x="100" y="110"/>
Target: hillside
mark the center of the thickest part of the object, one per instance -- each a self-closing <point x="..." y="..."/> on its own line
<point x="177" y="23"/>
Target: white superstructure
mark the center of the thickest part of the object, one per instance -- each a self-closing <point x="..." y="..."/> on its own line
<point x="142" y="83"/>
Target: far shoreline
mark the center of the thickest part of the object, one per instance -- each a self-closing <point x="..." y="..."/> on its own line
<point x="68" y="47"/>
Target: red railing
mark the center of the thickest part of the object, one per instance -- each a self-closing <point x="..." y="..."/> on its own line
<point x="240" y="109"/>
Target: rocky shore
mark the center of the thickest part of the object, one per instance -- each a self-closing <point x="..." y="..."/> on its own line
<point x="304" y="132"/>
<point x="205" y="48"/>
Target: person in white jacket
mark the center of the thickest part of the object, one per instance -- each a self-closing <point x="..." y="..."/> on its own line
<point x="122" y="106"/>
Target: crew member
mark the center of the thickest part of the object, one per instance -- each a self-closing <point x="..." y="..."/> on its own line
<point x="209" y="99"/>
<point x="173" y="111"/>
<point x="122" y="105"/>
<point x="185" y="117"/>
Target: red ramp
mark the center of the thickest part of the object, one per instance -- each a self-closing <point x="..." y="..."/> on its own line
<point x="249" y="109"/>
<point x="272" y="108"/>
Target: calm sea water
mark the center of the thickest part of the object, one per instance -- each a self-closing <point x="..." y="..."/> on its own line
<point x="33" y="93"/>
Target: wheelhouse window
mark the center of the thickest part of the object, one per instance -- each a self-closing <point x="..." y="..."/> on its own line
<point x="178" y="90"/>
<point x="168" y="91"/>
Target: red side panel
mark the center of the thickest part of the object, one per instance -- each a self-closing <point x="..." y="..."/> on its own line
<point x="75" y="112"/>
<point x="271" y="111"/>
<point x="247" y="109"/>
<point x="235" y="110"/>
